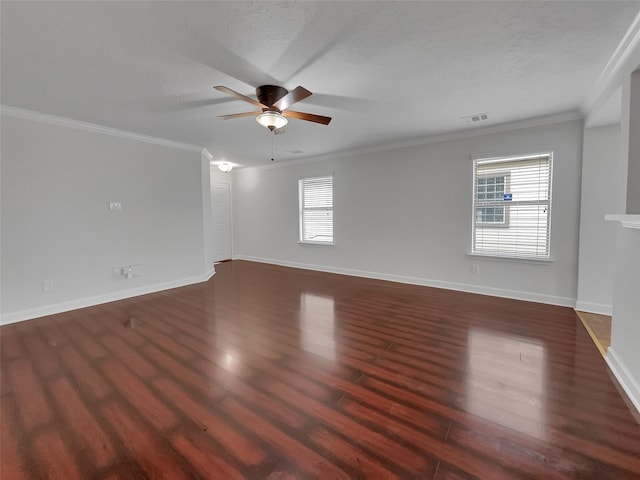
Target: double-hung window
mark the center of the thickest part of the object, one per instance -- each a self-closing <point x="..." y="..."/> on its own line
<point x="316" y="210"/>
<point x="512" y="206"/>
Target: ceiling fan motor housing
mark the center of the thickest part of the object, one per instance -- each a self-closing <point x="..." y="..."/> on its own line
<point x="270" y="94"/>
<point x="274" y="102"/>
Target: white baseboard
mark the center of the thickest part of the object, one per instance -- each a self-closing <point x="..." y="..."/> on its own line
<point x="599" y="308"/>
<point x="628" y="383"/>
<point x="426" y="282"/>
<point x="99" y="299"/>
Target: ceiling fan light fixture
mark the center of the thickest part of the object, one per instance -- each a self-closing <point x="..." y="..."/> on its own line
<point x="225" y="167"/>
<point x="271" y="120"/>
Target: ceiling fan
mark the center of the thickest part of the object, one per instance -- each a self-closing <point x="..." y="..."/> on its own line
<point x="274" y="102"/>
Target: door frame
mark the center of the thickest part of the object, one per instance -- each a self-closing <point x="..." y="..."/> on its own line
<point x="216" y="179"/>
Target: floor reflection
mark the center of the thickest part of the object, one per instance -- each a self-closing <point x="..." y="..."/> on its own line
<point x="317" y="324"/>
<point x="229" y="362"/>
<point x="507" y="380"/>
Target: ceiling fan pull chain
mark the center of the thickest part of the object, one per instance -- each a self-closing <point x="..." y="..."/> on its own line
<point x="273" y="143"/>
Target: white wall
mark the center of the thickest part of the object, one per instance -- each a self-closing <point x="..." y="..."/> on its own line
<point x="57" y="183"/>
<point x="633" y="171"/>
<point x="603" y="174"/>
<point x="405" y="214"/>
<point x="623" y="356"/>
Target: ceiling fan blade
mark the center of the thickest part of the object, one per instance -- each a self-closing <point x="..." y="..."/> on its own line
<point x="238" y="115"/>
<point x="228" y="91"/>
<point x="295" y="95"/>
<point x="309" y="117"/>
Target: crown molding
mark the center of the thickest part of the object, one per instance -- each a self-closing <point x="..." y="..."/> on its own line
<point x="92" y="127"/>
<point x="205" y="153"/>
<point x="446" y="137"/>
<point x="620" y="62"/>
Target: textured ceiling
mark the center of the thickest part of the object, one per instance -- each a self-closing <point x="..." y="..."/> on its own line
<point x="385" y="71"/>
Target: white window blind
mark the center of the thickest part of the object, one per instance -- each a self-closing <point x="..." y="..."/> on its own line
<point x="512" y="206"/>
<point x="316" y="210"/>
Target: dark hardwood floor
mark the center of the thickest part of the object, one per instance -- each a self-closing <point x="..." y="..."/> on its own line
<point x="271" y="372"/>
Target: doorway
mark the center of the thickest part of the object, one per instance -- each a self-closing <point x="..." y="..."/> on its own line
<point x="221" y="210"/>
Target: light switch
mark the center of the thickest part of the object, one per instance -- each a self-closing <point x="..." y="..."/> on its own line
<point x="115" y="206"/>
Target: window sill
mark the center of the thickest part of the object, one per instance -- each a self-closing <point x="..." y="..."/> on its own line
<point x="533" y="260"/>
<point x="329" y="244"/>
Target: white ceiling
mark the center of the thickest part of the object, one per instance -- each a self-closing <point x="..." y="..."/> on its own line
<point x="385" y="71"/>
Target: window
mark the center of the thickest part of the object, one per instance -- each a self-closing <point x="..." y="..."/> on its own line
<point x="491" y="189"/>
<point x="512" y="206"/>
<point x="316" y="210"/>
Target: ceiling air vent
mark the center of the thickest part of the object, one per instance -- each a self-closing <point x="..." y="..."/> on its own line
<point x="478" y="117"/>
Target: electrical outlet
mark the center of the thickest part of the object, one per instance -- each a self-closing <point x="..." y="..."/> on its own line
<point x="117" y="270"/>
<point x="47" y="285"/>
<point x="115" y="206"/>
<point x="475" y="268"/>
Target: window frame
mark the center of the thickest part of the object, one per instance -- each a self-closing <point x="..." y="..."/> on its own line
<point x="302" y="210"/>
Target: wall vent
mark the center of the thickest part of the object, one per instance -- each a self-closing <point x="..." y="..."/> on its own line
<point x="478" y="117"/>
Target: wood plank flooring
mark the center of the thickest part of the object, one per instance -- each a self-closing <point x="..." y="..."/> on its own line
<point x="267" y="372"/>
<point x="599" y="329"/>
